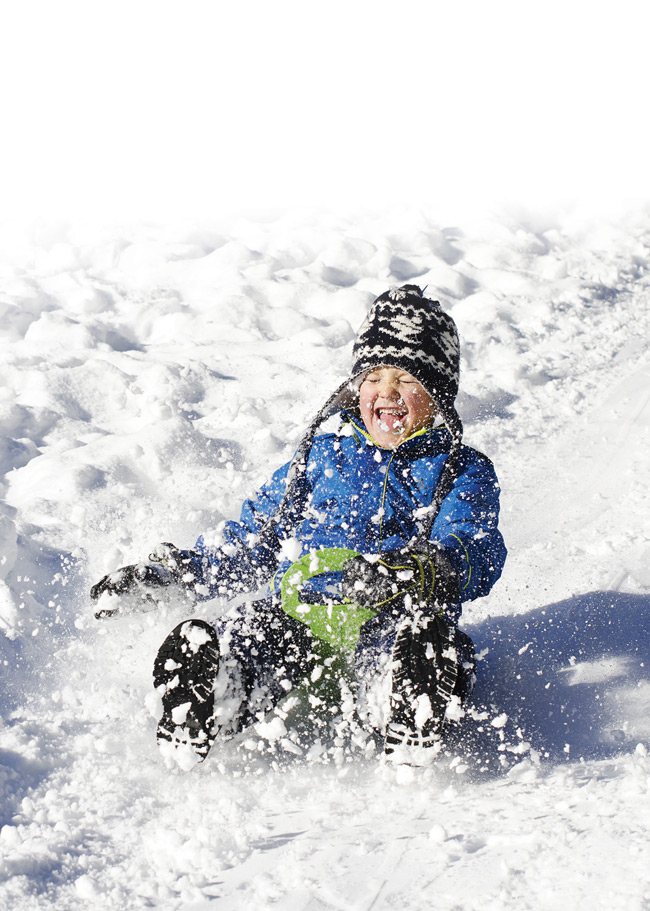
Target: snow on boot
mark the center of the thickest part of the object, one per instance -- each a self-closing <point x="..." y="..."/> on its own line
<point x="425" y="670"/>
<point x="184" y="674"/>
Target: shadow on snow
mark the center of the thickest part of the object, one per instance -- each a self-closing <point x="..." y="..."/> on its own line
<point x="575" y="675"/>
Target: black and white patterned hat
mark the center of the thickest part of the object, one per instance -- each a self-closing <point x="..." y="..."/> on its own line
<point x="404" y="329"/>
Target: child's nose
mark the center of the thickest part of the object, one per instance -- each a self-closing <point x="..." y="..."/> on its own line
<point x="389" y="389"/>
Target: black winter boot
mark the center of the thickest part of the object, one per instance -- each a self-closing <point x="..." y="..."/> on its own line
<point x="184" y="673"/>
<point x="432" y="661"/>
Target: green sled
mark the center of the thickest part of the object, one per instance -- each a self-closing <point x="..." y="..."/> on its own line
<point x="337" y="623"/>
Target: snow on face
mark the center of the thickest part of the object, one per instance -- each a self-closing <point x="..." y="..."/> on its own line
<point x="394" y="405"/>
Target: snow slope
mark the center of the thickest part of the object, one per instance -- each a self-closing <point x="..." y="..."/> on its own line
<point x="152" y="376"/>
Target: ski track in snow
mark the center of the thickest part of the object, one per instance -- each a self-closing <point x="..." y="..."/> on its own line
<point x="151" y="378"/>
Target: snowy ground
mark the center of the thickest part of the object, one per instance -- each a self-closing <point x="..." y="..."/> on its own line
<point x="152" y="377"/>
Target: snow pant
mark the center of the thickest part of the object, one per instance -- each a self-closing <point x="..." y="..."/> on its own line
<point x="266" y="654"/>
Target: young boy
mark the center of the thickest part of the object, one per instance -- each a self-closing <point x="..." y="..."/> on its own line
<point x="396" y="493"/>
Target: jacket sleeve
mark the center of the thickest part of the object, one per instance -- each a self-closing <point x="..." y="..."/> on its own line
<point x="244" y="561"/>
<point x="466" y="526"/>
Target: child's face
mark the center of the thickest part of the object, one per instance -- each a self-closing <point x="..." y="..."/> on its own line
<point x="393" y="406"/>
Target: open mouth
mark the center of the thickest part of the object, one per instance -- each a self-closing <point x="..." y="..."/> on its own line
<point x="391" y="418"/>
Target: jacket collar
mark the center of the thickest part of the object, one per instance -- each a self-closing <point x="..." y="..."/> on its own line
<point x="417" y="442"/>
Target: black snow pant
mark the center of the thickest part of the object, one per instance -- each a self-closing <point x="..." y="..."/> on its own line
<point x="266" y="654"/>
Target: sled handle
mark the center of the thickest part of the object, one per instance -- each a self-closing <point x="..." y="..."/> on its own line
<point x="336" y="622"/>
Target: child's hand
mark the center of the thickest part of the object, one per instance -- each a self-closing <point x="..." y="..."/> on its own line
<point x="128" y="578"/>
<point x="401" y="578"/>
<point x="134" y="583"/>
<point x="139" y="582"/>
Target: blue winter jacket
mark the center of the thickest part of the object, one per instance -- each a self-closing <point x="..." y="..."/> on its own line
<point x="365" y="498"/>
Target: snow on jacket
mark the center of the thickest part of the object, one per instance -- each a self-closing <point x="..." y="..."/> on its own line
<point x="365" y="498"/>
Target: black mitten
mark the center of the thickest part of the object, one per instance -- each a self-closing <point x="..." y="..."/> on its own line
<point x="169" y="565"/>
<point x="421" y="576"/>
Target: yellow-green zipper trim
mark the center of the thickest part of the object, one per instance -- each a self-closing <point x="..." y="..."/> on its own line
<point x="469" y="565"/>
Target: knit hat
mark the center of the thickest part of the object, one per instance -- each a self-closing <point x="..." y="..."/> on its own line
<point x="403" y="329"/>
<point x="406" y="330"/>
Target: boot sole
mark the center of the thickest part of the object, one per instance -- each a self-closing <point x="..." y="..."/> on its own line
<point x="184" y="673"/>
<point x="425" y="667"/>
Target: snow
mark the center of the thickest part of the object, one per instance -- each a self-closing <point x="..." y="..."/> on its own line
<point x="152" y="376"/>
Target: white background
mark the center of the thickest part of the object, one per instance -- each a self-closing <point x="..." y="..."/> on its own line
<point x="165" y="110"/>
